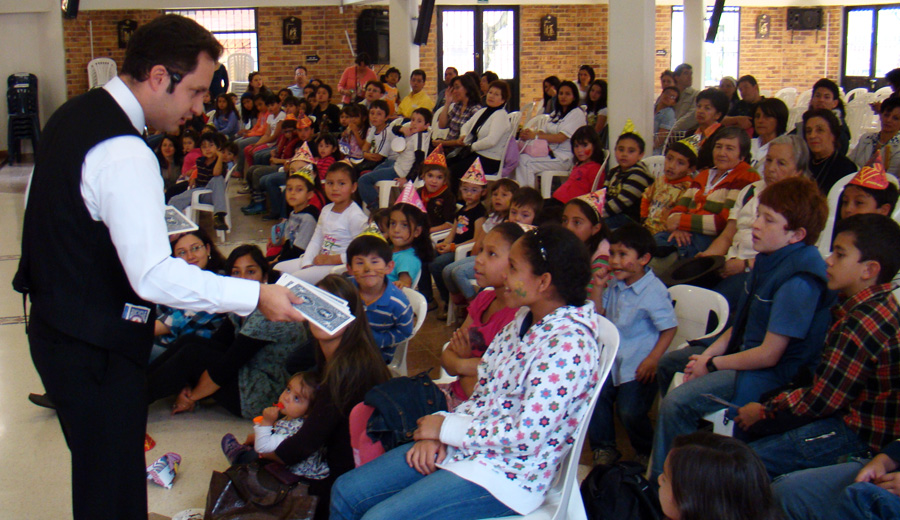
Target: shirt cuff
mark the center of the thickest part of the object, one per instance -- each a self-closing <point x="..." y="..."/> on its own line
<point x="892" y="450"/>
<point x="454" y="428"/>
<point x="240" y="295"/>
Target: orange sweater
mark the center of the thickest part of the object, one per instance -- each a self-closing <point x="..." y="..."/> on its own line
<point x="705" y="209"/>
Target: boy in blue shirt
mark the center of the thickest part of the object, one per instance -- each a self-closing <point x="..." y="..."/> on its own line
<point x="387" y="308"/>
<point x="640" y="307"/>
<point x="779" y="324"/>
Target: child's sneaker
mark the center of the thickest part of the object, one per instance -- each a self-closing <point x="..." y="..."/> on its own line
<point x="219" y="222"/>
<point x="232" y="448"/>
<point x="606" y="456"/>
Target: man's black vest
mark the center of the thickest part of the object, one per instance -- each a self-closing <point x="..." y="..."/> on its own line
<point x="69" y="265"/>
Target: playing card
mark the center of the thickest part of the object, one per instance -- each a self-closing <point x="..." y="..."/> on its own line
<point x="135" y="313"/>
<point x="177" y="222"/>
<point x="328" y="314"/>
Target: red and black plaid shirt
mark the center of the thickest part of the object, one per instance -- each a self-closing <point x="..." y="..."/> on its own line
<point x="859" y="374"/>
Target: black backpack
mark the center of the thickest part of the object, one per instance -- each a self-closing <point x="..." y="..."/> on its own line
<point x="620" y="492"/>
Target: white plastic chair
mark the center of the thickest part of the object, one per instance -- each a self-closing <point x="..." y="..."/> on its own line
<point x="858" y="95"/>
<point x="239" y="65"/>
<point x="527" y="109"/>
<point x="439" y="133"/>
<point x="795" y="115"/>
<point x="695" y="307"/>
<point x="100" y="71"/>
<point x="803" y="99"/>
<point x="514" y="119"/>
<point x="537" y="122"/>
<point x="834" y="202"/>
<point x="539" y="108"/>
<point x="563" y="499"/>
<point x="656" y="164"/>
<point x="197" y="206"/>
<point x="882" y="94"/>
<point x="788" y="95"/>
<point x="239" y="87"/>
<point x="420" y="308"/>
<point x="460" y="253"/>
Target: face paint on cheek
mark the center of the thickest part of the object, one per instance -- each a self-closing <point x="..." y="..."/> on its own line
<point x="520" y="290"/>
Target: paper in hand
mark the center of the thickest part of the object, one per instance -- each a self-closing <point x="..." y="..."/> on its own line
<point x="327" y="311"/>
<point x="177" y="222"/>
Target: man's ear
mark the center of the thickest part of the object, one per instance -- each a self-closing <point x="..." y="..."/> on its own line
<point x="158" y="78"/>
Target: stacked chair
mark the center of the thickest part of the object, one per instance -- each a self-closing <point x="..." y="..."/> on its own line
<point x="22" y="106"/>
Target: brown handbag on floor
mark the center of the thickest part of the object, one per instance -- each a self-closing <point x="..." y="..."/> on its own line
<point x="258" y="491"/>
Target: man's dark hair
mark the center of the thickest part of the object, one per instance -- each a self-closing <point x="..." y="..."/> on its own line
<point x="170" y="40"/>
<point x="876" y="237"/>
<point x="717" y="98"/>
<point x="419" y="72"/>
<point x="365" y="245"/>
<point x="298" y="67"/>
<point x="635" y="237"/>
<point x="749" y="79"/>
<point x="893" y="77"/>
<point x="684" y="67"/>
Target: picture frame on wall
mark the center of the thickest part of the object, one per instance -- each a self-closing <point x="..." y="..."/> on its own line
<point x="125" y="28"/>
<point x="291" y="33"/>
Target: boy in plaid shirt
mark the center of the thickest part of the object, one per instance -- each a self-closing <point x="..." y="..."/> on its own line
<point x="852" y="405"/>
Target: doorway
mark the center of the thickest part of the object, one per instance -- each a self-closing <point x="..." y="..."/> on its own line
<point x="480" y="38"/>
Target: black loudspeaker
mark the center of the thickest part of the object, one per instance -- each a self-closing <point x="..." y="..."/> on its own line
<point x="714" y="21"/>
<point x="69" y="8"/>
<point x="426" y="11"/>
<point x="373" y="35"/>
<point x="804" y="19"/>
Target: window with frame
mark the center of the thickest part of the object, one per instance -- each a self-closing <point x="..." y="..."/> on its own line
<point x="720" y="58"/>
<point x="235" y="29"/>
<point x="871" y="45"/>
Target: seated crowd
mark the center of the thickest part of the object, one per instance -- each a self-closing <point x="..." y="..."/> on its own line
<point x="809" y="362"/>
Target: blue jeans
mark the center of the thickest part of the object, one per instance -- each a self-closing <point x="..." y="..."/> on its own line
<point x="262" y="157"/>
<point x="382" y="172"/>
<point x="217" y="197"/>
<point x="866" y="501"/>
<point x="813" y="494"/>
<point x="242" y="143"/>
<point x="458" y="277"/>
<point x="698" y="244"/>
<point x="683" y="407"/>
<point x="817" y="444"/>
<point x="437" y="269"/>
<point x="271" y="184"/>
<point x="672" y="363"/>
<point x="631" y="401"/>
<point x="387" y="488"/>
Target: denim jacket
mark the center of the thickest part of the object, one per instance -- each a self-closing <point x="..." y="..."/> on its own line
<point x="398" y="404"/>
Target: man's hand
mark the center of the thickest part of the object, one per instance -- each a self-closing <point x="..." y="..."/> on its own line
<point x="749" y="414"/>
<point x="423" y="456"/>
<point x="276" y="303"/>
<point x="682" y="238"/>
<point x="876" y="469"/>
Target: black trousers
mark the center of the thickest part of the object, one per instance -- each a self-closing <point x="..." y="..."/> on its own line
<point x="100" y="398"/>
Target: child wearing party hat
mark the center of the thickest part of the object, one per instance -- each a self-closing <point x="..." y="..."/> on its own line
<point x="469" y="221"/>
<point x="660" y="197"/>
<point x="439" y="200"/>
<point x="294" y="233"/>
<point x="369" y="261"/>
<point x="872" y="190"/>
<point x="626" y="183"/>
<point x="408" y="234"/>
<point x="583" y="216"/>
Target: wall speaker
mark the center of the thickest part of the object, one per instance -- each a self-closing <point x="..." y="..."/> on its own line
<point x="373" y="35"/>
<point x="805" y="18"/>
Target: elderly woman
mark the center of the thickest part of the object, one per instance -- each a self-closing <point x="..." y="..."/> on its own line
<point x="887" y="141"/>
<point x="822" y="131"/>
<point x="786" y="156"/>
<point x="563" y="122"/>
<point x="769" y="121"/>
<point x="486" y="133"/>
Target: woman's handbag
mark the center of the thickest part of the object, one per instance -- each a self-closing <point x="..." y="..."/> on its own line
<point x="536" y="148"/>
<point x="261" y="490"/>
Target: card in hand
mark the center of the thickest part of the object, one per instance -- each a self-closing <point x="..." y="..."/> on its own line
<point x="330" y="313"/>
<point x="177" y="222"/>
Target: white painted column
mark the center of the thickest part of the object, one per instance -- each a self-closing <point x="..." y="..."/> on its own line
<point x="694" y="35"/>
<point x="404" y="55"/>
<point x="632" y="82"/>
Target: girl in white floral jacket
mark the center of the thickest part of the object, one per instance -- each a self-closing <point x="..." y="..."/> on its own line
<point x="498" y="453"/>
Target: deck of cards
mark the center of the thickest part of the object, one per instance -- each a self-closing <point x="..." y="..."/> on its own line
<point x="177" y="222"/>
<point x="326" y="310"/>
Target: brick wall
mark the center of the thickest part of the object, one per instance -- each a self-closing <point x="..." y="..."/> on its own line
<point x="778" y="61"/>
<point x="322" y="33"/>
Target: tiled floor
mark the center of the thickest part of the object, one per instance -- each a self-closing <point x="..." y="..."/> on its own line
<point x="32" y="450"/>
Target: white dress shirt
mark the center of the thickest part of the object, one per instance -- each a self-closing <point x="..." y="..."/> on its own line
<point x="122" y="187"/>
